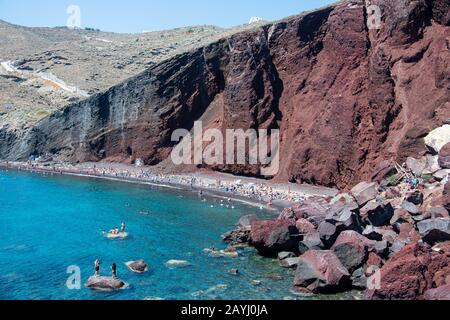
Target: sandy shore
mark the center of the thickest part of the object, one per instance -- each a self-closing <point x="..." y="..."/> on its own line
<point x="249" y="190"/>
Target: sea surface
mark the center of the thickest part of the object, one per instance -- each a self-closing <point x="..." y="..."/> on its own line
<point x="49" y="223"/>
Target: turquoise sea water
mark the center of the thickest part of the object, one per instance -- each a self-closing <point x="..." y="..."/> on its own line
<point x="48" y="223"/>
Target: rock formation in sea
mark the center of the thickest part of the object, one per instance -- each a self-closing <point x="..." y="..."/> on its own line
<point x="345" y="96"/>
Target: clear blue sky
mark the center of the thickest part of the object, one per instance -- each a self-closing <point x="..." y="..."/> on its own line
<point x="139" y="15"/>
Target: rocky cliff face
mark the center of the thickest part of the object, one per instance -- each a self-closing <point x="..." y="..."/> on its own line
<point x="344" y="96"/>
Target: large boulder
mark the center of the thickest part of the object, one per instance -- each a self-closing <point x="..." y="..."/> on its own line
<point x="313" y="209"/>
<point x="139" y="266"/>
<point x="320" y="272"/>
<point x="311" y="241"/>
<point x="247" y="220"/>
<point x="304" y="226"/>
<point x="378" y="213"/>
<point x="434" y="230"/>
<point x="352" y="249"/>
<point x="444" y="157"/>
<point x="364" y="192"/>
<point x="438" y="138"/>
<point x="240" y="235"/>
<point x="105" y="283"/>
<point x="409" y="273"/>
<point x="274" y="236"/>
<point x="411" y="208"/>
<point x="417" y="166"/>
<point x="328" y="233"/>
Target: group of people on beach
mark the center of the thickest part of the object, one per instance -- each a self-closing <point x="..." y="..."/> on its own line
<point x="257" y="191"/>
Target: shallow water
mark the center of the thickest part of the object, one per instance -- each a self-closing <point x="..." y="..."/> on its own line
<point x="48" y="223"/>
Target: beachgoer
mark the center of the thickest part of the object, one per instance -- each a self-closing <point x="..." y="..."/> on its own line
<point x="117" y="231"/>
<point x="114" y="270"/>
<point x="122" y="227"/>
<point x="97" y="267"/>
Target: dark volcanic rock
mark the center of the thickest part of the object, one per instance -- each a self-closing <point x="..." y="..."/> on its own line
<point x="378" y="213"/>
<point x="274" y="236"/>
<point x="320" y="272"/>
<point x="415" y="198"/>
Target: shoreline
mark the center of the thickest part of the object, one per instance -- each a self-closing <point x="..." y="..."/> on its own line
<point x="250" y="191"/>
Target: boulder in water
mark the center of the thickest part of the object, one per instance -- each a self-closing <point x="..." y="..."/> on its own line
<point x="138" y="266"/>
<point x="120" y="235"/>
<point x="177" y="264"/>
<point x="105" y="283"/>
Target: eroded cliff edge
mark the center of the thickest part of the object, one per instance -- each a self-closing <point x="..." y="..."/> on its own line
<point x="344" y="97"/>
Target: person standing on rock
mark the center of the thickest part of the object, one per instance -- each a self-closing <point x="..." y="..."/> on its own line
<point x="114" y="270"/>
<point x="97" y="267"/>
<point x="122" y="227"/>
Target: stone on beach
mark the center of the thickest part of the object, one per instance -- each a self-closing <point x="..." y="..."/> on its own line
<point x="365" y="192"/>
<point x="274" y="236"/>
<point x="441" y="174"/>
<point x="352" y="249"/>
<point x="105" y="283"/>
<point x="417" y="166"/>
<point x="411" y="208"/>
<point x="320" y="272"/>
<point x="311" y="241"/>
<point x="285" y="254"/>
<point x="438" y="138"/>
<point x="328" y="233"/>
<point x="379" y="213"/>
<point x="138" y="266"/>
<point x="434" y="230"/>
<point x="289" y="262"/>
<point x="304" y="226"/>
